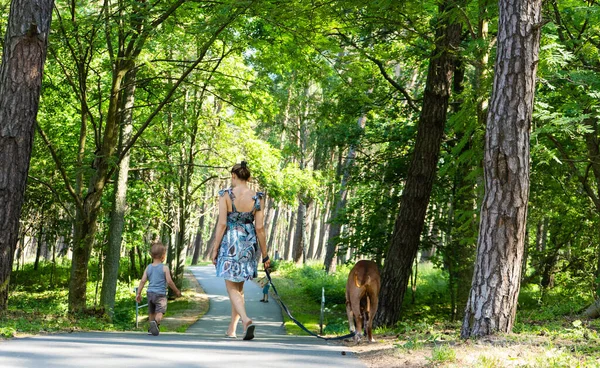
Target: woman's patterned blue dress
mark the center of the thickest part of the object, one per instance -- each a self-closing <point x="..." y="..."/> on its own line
<point x="238" y="254"/>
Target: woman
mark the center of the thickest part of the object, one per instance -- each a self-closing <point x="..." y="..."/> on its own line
<point x="240" y="231"/>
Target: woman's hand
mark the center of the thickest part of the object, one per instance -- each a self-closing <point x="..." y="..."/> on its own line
<point x="266" y="262"/>
<point x="214" y="255"/>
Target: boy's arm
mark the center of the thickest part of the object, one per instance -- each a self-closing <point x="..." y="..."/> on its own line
<point x="138" y="297"/>
<point x="170" y="281"/>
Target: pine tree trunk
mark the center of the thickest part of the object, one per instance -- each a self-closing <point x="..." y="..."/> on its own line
<point x="299" y="243"/>
<point x="323" y="227"/>
<point x="422" y="168"/>
<point x="289" y="236"/>
<point x="39" y="241"/>
<point x="273" y="230"/>
<point x="313" y="232"/>
<point x="23" y="58"/>
<point x="492" y="302"/>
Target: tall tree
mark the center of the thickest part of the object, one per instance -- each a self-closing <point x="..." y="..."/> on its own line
<point x="423" y="166"/>
<point x="492" y="302"/>
<point x="117" y="217"/>
<point x="23" y="58"/>
<point x="124" y="49"/>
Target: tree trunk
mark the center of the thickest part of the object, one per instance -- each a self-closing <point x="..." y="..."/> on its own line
<point x="39" y="242"/>
<point x="23" y="58"/>
<point x="198" y="240"/>
<point x="422" y="168"/>
<point x="300" y="234"/>
<point x="313" y="232"/>
<point x="117" y="218"/>
<point x="133" y="270"/>
<point x="492" y="302"/>
<point x="273" y="230"/>
<point x="323" y="227"/>
<point x="289" y="236"/>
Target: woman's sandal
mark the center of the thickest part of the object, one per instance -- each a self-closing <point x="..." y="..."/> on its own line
<point x="249" y="333"/>
<point x="231" y="336"/>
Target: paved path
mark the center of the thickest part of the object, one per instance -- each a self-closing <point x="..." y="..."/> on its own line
<point x="203" y="345"/>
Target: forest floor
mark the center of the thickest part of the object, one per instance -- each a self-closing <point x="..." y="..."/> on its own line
<point x="496" y="351"/>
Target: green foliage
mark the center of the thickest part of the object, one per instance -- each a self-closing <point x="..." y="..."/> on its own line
<point x="32" y="309"/>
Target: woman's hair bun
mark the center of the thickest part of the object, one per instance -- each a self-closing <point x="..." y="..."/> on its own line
<point x="241" y="170"/>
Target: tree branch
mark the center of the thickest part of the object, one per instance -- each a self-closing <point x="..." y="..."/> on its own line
<point x="586" y="186"/>
<point x="169" y="95"/>
<point x="384" y="73"/>
<point x="55" y="195"/>
<point x="78" y="201"/>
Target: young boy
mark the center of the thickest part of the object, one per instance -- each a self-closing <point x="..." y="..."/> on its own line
<point x="158" y="277"/>
<point x="265" y="284"/>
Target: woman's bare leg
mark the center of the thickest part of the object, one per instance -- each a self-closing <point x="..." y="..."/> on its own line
<point x="235" y="318"/>
<point x="236" y="296"/>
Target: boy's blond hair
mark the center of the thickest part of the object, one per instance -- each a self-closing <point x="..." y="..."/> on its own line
<point x="158" y="251"/>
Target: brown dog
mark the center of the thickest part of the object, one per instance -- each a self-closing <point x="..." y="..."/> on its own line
<point x="362" y="298"/>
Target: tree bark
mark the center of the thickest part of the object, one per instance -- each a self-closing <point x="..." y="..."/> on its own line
<point x="23" y="57"/>
<point x="492" y="303"/>
<point x="422" y="168"/>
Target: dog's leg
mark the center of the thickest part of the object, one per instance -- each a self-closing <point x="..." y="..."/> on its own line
<point x="373" y="304"/>
<point x="359" y="321"/>
<point x="350" y="317"/>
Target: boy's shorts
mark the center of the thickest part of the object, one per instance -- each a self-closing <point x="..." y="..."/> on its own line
<point x="157" y="303"/>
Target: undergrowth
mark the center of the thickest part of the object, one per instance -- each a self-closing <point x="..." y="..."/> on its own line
<point x="38" y="303"/>
<point x="552" y="320"/>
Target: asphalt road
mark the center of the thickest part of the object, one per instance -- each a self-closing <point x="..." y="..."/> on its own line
<point x="203" y="344"/>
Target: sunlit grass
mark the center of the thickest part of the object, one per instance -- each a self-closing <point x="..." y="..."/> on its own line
<point x="32" y="310"/>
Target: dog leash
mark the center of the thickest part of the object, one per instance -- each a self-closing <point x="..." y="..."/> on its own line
<point x="287" y="311"/>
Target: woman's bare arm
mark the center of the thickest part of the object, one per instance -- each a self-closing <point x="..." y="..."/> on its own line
<point x="259" y="224"/>
<point x="220" y="229"/>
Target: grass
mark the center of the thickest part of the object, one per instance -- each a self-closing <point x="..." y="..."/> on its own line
<point x="443" y="354"/>
<point x="547" y="333"/>
<point x="301" y="290"/>
<point x="38" y="304"/>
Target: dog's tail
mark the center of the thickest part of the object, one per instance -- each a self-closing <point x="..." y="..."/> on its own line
<point x="362" y="279"/>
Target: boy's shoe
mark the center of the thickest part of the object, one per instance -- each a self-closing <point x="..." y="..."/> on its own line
<point x="262" y="301"/>
<point x="154" y="328"/>
<point x="266" y="301"/>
